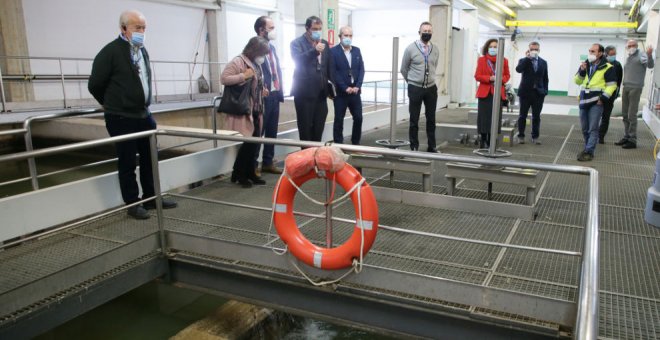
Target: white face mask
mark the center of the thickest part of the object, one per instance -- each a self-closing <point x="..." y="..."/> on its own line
<point x="272" y="35"/>
<point x="632" y="50"/>
<point x="259" y="60"/>
<point x="592" y="58"/>
<point x="533" y="54"/>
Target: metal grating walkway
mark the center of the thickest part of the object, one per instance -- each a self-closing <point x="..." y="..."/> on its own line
<point x="630" y="249"/>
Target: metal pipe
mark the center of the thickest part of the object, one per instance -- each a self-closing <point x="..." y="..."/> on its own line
<point x="190" y="83"/>
<point x="586" y="325"/>
<point x="12" y="132"/>
<point x="394" y="90"/>
<point x="2" y="93"/>
<point x="32" y="164"/>
<point x="497" y="98"/>
<point x="375" y="95"/>
<point x="153" y="76"/>
<point x="214" y="119"/>
<point x="153" y="145"/>
<point x="62" y="80"/>
<point x="328" y="213"/>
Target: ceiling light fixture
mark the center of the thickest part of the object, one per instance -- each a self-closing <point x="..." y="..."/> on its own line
<point x="526" y="4"/>
<point x="612" y="3"/>
<point x="502" y="7"/>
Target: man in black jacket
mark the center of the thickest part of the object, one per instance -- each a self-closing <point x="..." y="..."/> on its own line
<point x="532" y="90"/>
<point x="608" y="105"/>
<point x="312" y="57"/>
<point x="121" y="83"/>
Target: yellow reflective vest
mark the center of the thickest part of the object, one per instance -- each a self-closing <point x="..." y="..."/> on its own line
<point x="597" y="82"/>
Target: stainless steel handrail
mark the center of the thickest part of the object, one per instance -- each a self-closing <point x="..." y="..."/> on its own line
<point x="586" y="325"/>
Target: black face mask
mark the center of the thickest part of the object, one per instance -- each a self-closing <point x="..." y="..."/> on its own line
<point x="426" y="37"/>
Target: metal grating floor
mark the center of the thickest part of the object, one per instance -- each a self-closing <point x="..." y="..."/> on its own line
<point x="630" y="249"/>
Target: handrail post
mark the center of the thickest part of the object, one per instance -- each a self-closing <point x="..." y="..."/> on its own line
<point x="586" y="325"/>
<point x="32" y="164"/>
<point x="328" y="213"/>
<point x="497" y="98"/>
<point x="376" y="95"/>
<point x="214" y="119"/>
<point x="2" y="93"/>
<point x="190" y="83"/>
<point x="394" y="90"/>
<point x="153" y="76"/>
<point x="62" y="80"/>
<point x="153" y="147"/>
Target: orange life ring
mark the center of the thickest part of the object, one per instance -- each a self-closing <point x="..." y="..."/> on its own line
<point x="326" y="258"/>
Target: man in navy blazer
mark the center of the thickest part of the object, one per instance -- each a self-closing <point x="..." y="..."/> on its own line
<point x="348" y="73"/>
<point x="272" y="73"/>
<point x="532" y="90"/>
<point x="310" y="80"/>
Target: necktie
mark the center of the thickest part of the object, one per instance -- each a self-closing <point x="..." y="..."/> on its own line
<point x="535" y="62"/>
<point x="273" y="71"/>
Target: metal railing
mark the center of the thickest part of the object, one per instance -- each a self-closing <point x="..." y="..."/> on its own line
<point x="26" y="131"/>
<point x="586" y="323"/>
<point x="62" y="77"/>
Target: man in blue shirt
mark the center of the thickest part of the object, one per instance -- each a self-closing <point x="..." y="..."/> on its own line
<point x="348" y="74"/>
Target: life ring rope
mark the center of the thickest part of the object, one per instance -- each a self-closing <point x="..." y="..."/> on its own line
<point x="357" y="264"/>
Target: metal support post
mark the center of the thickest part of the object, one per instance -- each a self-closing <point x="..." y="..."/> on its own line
<point x="190" y="82"/>
<point x="394" y="90"/>
<point x="376" y="96"/>
<point x="328" y="213"/>
<point x="62" y="80"/>
<point x="153" y="76"/>
<point x="2" y="93"/>
<point x="214" y="119"/>
<point x="497" y="98"/>
<point x="32" y="164"/>
<point x="153" y="146"/>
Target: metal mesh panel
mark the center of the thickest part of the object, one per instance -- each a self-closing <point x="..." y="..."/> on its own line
<point x="630" y="265"/>
<point x="555" y="268"/>
<point x="627" y="221"/>
<point x="549" y="236"/>
<point x="562" y="212"/>
<point x="540" y="288"/>
<point x="624" y="317"/>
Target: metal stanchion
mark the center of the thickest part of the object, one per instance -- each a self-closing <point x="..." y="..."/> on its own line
<point x="393" y="143"/>
<point x="158" y="199"/>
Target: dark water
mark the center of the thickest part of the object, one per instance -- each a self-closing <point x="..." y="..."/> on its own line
<point x="159" y="311"/>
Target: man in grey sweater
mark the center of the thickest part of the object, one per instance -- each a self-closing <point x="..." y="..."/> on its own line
<point x="418" y="69"/>
<point x="634" y="72"/>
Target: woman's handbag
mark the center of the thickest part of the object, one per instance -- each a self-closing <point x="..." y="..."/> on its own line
<point x="236" y="99"/>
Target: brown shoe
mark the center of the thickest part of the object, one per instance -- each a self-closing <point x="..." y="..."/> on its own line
<point x="271" y="169"/>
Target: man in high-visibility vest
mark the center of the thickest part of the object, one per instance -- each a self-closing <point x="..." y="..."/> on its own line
<point x="597" y="80"/>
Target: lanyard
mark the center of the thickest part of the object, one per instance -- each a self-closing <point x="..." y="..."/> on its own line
<point x="490" y="65"/>
<point x="592" y="70"/>
<point x="426" y="60"/>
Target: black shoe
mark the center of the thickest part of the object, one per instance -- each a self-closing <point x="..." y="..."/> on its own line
<point x="234" y="177"/>
<point x="138" y="212"/>
<point x="601" y="140"/>
<point x="585" y="157"/>
<point x="167" y="204"/>
<point x="433" y="150"/>
<point x="245" y="183"/>
<point x="257" y="180"/>
<point x="621" y="142"/>
<point x="413" y="148"/>
<point x="629" y="145"/>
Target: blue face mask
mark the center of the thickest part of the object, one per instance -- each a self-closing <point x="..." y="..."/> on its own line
<point x="137" y="38"/>
<point x="492" y="51"/>
<point x="316" y="35"/>
<point x="346" y="41"/>
<point x="611" y="58"/>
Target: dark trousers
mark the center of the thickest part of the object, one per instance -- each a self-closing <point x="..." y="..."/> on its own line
<point x="244" y="166"/>
<point x="354" y="104"/>
<point x="605" y="119"/>
<point x="534" y="101"/>
<point x="429" y="96"/>
<point x="271" y="119"/>
<point x="311" y="114"/>
<point x="126" y="159"/>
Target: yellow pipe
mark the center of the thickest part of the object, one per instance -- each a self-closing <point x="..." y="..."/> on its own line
<point x="592" y="24"/>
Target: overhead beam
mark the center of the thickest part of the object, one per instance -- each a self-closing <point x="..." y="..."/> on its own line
<point x="589" y="24"/>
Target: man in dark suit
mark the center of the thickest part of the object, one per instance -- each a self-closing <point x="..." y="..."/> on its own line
<point x="347" y="73"/>
<point x="272" y="74"/>
<point x="532" y="90"/>
<point x="310" y="79"/>
<point x="608" y="105"/>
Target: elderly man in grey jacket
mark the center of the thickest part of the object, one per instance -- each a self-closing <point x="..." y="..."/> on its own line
<point x="634" y="72"/>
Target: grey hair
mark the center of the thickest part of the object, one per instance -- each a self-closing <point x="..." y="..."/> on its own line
<point x="341" y="30"/>
<point x="126" y="15"/>
<point x="535" y="43"/>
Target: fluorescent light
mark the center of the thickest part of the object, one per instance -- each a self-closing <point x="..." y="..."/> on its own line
<point x="526" y="4"/>
<point x="347" y="4"/>
<point x="612" y="3"/>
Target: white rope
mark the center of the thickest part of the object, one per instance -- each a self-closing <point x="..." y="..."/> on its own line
<point x="357" y="264"/>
